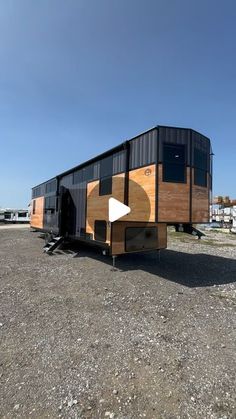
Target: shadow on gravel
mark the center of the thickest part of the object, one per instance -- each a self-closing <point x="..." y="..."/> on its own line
<point x="191" y="270"/>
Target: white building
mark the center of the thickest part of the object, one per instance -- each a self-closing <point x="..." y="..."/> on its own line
<point x="10" y="215"/>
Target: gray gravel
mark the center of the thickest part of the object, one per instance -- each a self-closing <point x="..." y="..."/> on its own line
<point x="153" y="339"/>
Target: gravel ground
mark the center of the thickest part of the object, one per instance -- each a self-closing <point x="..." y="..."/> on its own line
<point x="153" y="339"/>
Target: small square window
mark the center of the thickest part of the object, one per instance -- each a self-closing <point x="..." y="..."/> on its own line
<point x="105" y="186"/>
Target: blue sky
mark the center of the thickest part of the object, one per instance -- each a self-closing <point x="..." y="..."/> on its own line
<point x="80" y="76"/>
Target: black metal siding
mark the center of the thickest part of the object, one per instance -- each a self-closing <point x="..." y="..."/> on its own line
<point x="143" y="150"/>
<point x="119" y="160"/>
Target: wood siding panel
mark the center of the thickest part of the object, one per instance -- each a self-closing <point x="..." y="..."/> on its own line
<point x="36" y="220"/>
<point x="173" y="200"/>
<point x="142" y="194"/>
<point x="200" y="203"/>
<point x="97" y="206"/>
<point x="118" y="235"/>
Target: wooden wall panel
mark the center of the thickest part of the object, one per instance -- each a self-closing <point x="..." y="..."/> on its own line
<point x="173" y="199"/>
<point x="97" y="206"/>
<point x="118" y="235"/>
<point x="36" y="220"/>
<point x="142" y="194"/>
<point x="200" y="203"/>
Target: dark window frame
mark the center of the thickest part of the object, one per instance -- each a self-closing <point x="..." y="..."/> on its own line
<point x="51" y="186"/>
<point x="198" y="181"/>
<point x="36" y="192"/>
<point x="103" y="184"/>
<point x="172" y="163"/>
<point x="22" y="214"/>
<point x="201" y="163"/>
<point x="50" y="204"/>
<point x="8" y="215"/>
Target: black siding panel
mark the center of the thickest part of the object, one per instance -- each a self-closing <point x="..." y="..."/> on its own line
<point x="143" y="150"/>
<point x="119" y="160"/>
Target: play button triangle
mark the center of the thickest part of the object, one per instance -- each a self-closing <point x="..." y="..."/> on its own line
<point x="117" y="209"/>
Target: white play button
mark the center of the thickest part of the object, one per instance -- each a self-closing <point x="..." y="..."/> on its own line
<point x="117" y="209"/>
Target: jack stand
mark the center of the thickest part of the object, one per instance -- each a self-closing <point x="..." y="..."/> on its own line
<point x="159" y="255"/>
<point x="113" y="263"/>
<point x="75" y="255"/>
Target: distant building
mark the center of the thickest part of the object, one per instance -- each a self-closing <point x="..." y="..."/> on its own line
<point x="223" y="211"/>
<point x="10" y="215"/>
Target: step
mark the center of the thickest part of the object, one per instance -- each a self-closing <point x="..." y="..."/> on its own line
<point x="53" y="244"/>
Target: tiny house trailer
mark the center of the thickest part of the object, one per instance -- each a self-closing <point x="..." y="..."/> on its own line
<point x="164" y="175"/>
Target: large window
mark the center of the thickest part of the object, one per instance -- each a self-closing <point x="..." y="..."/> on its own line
<point x="50" y="204"/>
<point x="51" y="186"/>
<point x="200" y="167"/>
<point x="174" y="166"/>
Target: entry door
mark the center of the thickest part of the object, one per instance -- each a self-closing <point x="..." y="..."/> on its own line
<point x="67" y="213"/>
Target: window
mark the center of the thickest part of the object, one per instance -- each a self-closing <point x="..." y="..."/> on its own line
<point x="100" y="230"/>
<point x="200" y="177"/>
<point x="200" y="167"/>
<point x="34" y="206"/>
<point x="50" y="204"/>
<point x="105" y="186"/>
<point x="174" y="167"/>
<point x="51" y="186"/>
<point x="88" y="174"/>
<point x="78" y="177"/>
<point x="36" y="192"/>
<point x="84" y="175"/>
<point x="22" y="214"/>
